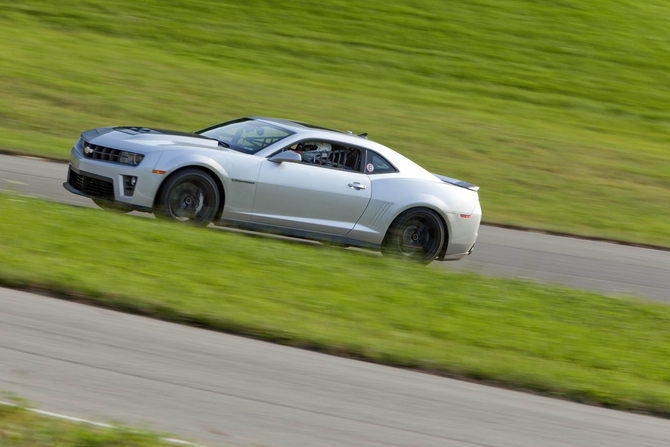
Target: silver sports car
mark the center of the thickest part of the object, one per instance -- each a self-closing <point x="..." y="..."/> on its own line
<point x="280" y="176"/>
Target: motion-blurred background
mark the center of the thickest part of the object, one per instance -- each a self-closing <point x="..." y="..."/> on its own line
<point x="557" y="109"/>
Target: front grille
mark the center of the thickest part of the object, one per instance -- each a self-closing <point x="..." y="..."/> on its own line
<point x="102" y="152"/>
<point x="102" y="187"/>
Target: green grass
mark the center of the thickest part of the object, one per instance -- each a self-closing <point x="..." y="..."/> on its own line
<point x="567" y="343"/>
<point x="20" y="427"/>
<point x="558" y="109"/>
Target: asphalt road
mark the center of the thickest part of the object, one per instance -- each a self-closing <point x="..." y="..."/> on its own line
<point x="224" y="390"/>
<point x="600" y="266"/>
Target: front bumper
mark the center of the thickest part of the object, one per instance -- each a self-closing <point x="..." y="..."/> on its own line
<point x="94" y="187"/>
<point x="104" y="180"/>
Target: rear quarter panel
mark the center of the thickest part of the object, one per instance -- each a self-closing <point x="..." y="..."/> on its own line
<point x="392" y="194"/>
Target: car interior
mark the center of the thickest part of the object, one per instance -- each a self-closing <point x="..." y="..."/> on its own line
<point x="322" y="153"/>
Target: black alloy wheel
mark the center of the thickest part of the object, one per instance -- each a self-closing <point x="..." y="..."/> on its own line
<point x="190" y="196"/>
<point x="417" y="234"/>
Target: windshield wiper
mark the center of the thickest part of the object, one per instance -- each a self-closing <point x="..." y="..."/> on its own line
<point x="224" y="144"/>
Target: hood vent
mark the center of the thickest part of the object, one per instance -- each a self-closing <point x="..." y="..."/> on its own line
<point x="134" y="130"/>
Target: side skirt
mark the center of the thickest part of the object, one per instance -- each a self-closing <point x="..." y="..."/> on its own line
<point x="293" y="232"/>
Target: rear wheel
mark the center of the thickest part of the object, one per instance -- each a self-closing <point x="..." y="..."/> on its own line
<point x="190" y="196"/>
<point x="417" y="234"/>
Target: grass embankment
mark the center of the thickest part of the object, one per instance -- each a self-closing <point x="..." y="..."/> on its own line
<point x="22" y="428"/>
<point x="557" y="109"/>
<point x="567" y="343"/>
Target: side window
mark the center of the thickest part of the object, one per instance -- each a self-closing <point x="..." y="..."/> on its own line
<point x="329" y="155"/>
<point x="376" y="164"/>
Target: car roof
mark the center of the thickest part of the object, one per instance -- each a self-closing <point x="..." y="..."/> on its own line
<point x="310" y="131"/>
<point x="297" y="126"/>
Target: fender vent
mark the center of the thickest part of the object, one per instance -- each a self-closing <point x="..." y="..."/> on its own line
<point x="383" y="209"/>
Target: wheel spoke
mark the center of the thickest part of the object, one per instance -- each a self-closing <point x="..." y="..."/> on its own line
<point x="418" y="236"/>
<point x="192" y="199"/>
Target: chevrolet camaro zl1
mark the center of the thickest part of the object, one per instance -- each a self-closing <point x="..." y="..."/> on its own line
<point x="280" y="176"/>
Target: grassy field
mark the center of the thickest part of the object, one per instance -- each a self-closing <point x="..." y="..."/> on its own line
<point x="566" y="343"/>
<point x="558" y="109"/>
<point x="22" y="428"/>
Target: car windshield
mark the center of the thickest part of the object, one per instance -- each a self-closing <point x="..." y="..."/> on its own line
<point x="245" y="135"/>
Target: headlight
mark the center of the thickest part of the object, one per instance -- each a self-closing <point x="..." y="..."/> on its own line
<point x="130" y="158"/>
<point x="79" y="145"/>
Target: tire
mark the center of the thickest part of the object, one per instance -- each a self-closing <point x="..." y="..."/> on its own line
<point x="111" y="206"/>
<point x="417" y="235"/>
<point x="189" y="196"/>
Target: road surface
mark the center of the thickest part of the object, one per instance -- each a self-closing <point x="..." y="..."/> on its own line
<point x="223" y="390"/>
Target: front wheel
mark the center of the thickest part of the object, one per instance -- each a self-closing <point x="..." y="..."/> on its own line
<point x="190" y="196"/>
<point x="417" y="234"/>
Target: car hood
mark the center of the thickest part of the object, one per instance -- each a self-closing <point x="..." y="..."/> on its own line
<point x="143" y="139"/>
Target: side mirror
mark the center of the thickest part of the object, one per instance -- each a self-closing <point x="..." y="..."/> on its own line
<point x="287" y="156"/>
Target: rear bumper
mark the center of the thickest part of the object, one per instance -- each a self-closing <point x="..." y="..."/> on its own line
<point x="457" y="256"/>
<point x="463" y="232"/>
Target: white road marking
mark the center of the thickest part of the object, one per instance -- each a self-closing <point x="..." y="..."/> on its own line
<point x="85" y="421"/>
<point x="15" y="182"/>
<point x="69" y="418"/>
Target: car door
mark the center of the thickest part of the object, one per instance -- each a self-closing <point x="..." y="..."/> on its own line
<point x="310" y="197"/>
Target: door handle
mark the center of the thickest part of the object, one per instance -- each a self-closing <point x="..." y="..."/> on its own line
<point x="357" y="185"/>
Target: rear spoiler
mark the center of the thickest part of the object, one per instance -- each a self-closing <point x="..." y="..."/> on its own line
<point x="456" y="182"/>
